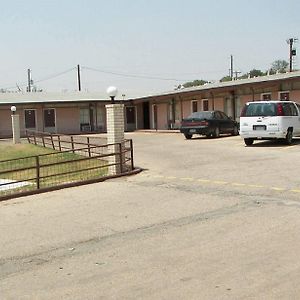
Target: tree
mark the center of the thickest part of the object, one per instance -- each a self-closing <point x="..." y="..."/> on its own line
<point x="252" y="73"/>
<point x="280" y="66"/>
<point x="256" y="73"/>
<point x="225" y="78"/>
<point x="196" y="82"/>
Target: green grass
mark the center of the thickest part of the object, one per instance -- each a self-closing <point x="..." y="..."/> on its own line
<point x="9" y="151"/>
<point x="70" y="162"/>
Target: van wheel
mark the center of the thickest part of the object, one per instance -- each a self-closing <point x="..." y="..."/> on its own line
<point x="248" y="142"/>
<point x="289" y="137"/>
<point x="216" y="132"/>
<point x="188" y="136"/>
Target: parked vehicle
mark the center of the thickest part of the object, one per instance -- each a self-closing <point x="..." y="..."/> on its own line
<point x="209" y="123"/>
<point x="266" y="120"/>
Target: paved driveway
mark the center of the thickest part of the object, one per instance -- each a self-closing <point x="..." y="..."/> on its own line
<point x="206" y="219"/>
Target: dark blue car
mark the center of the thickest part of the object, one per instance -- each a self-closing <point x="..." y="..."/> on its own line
<point x="209" y="123"/>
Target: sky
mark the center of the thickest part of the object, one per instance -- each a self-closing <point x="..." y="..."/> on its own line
<point x="141" y="47"/>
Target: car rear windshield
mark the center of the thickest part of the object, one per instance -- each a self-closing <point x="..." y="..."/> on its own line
<point x="201" y="115"/>
<point x="259" y="109"/>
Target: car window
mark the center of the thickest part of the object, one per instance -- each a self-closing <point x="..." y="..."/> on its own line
<point x="293" y="109"/>
<point x="289" y="109"/>
<point x="286" y="109"/>
<point x="201" y="115"/>
<point x="225" y="117"/>
<point x="218" y="115"/>
<point x="260" y="109"/>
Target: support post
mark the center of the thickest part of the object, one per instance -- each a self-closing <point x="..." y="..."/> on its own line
<point x="43" y="140"/>
<point x="72" y="144"/>
<point x="37" y="172"/>
<point x="15" y="120"/>
<point x="89" y="146"/>
<point x="59" y="144"/>
<point x="131" y="155"/>
<point x="115" y="134"/>
<point x="52" y="142"/>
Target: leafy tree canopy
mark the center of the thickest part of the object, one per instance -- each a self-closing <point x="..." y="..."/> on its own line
<point x="256" y="73"/>
<point x="280" y="66"/>
<point x="225" y="78"/>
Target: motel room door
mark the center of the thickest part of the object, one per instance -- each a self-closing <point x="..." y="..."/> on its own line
<point x="130" y="115"/>
<point x="30" y="119"/>
<point x="160" y="116"/>
<point x="49" y="120"/>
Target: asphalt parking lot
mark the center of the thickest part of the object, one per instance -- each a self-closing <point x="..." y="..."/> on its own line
<point x="206" y="219"/>
<point x="266" y="166"/>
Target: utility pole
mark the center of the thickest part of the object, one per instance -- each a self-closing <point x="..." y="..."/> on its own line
<point x="78" y="77"/>
<point x="29" y="80"/>
<point x="231" y="67"/>
<point x="291" y="42"/>
<point x="236" y="74"/>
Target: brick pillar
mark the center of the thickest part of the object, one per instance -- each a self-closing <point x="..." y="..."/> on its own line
<point x="15" y="121"/>
<point x="115" y="134"/>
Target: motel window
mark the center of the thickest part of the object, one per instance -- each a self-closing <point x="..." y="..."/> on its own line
<point x="205" y="105"/>
<point x="85" y="119"/>
<point x="30" y="121"/>
<point x="100" y="117"/>
<point x="266" y="97"/>
<point x="84" y="116"/>
<point x="194" y="106"/>
<point x="284" y="96"/>
<point x="49" y="117"/>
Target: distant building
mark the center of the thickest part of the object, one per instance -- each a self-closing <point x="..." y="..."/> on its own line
<point x="166" y="110"/>
<point x="81" y="112"/>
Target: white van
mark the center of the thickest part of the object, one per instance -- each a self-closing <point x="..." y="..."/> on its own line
<point x="266" y="120"/>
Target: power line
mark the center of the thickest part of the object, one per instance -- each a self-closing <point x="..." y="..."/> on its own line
<point x="39" y="80"/>
<point x="134" y="75"/>
<point x="56" y="75"/>
<point x="138" y="76"/>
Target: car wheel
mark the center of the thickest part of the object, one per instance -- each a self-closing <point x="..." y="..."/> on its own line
<point x="188" y="136"/>
<point x="235" y="131"/>
<point x="289" y="137"/>
<point x="216" y="132"/>
<point x="248" y="142"/>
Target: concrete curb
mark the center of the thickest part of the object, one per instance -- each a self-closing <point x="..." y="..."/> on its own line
<point x="68" y="185"/>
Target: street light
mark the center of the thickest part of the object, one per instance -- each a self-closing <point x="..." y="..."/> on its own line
<point x="112" y="92"/>
<point x="13" y="109"/>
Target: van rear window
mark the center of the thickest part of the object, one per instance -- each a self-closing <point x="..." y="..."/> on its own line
<point x="259" y="109"/>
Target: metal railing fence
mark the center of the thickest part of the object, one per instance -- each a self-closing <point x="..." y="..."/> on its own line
<point x="72" y="162"/>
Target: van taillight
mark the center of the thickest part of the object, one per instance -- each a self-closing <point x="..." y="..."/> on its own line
<point x="279" y="108"/>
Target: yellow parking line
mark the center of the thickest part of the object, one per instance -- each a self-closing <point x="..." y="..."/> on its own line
<point x="219" y="182"/>
<point x="277" y="189"/>
<point x="203" y="180"/>
<point x="256" y="186"/>
<point x="238" y="184"/>
<point x="187" y="178"/>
